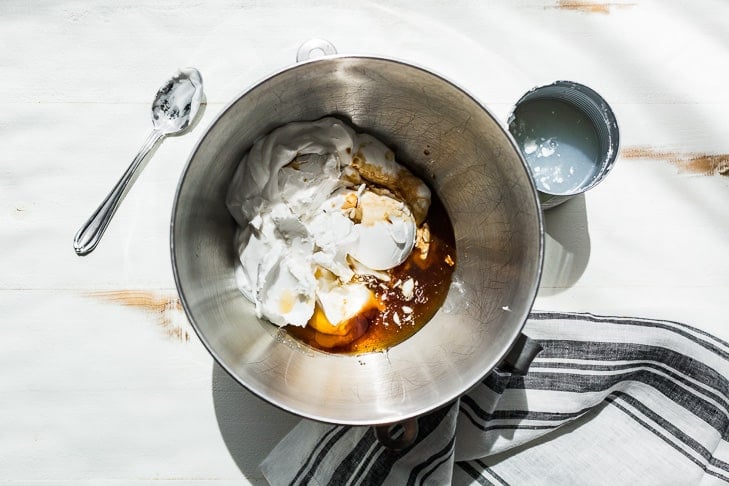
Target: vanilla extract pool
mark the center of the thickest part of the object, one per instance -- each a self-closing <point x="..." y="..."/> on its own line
<point x="416" y="290"/>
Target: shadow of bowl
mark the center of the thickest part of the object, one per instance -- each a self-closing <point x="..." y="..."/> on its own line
<point x="250" y="427"/>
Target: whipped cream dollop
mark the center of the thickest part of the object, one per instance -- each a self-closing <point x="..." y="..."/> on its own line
<point x="317" y="205"/>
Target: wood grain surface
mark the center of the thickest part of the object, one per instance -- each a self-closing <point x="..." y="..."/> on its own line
<point x="104" y="381"/>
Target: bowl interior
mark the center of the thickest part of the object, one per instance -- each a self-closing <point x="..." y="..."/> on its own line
<point x="442" y="135"/>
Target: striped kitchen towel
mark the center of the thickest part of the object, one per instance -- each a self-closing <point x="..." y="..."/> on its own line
<point x="609" y="400"/>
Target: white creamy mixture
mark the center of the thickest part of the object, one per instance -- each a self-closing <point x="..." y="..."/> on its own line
<point x="317" y="204"/>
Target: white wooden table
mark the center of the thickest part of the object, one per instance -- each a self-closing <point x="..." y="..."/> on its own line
<point x="102" y="380"/>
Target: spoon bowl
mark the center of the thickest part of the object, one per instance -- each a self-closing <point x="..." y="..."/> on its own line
<point x="177" y="102"/>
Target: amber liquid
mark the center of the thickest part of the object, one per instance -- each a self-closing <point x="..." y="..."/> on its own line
<point x="432" y="277"/>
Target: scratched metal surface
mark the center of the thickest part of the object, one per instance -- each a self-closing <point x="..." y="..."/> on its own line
<point x="477" y="172"/>
<point x="103" y="380"/>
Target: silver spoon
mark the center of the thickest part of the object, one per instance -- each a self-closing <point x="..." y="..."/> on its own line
<point x="173" y="109"/>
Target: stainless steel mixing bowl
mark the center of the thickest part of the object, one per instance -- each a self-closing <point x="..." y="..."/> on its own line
<point x="446" y="137"/>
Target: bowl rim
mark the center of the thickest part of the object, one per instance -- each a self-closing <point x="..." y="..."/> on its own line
<point x="417" y="411"/>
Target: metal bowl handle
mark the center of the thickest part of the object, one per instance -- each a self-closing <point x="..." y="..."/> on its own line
<point x="314" y="48"/>
<point x="520" y="356"/>
<point x="387" y="434"/>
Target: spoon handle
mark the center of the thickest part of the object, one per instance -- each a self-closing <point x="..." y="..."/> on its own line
<point x="89" y="234"/>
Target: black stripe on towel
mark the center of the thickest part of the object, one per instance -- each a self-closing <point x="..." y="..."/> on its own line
<point x="604" y="354"/>
<point x="491" y="472"/>
<point x="374" y="452"/>
<point x="482" y="424"/>
<point x="633" y="321"/>
<point x="373" y="460"/>
<point x="435" y="468"/>
<point x="661" y="368"/>
<point x="675" y="327"/>
<point x="665" y="439"/>
<point x="331" y="437"/>
<point x="379" y="471"/>
<point x="581" y="383"/>
<point x="687" y="440"/>
<point x="485" y="416"/>
<point x="354" y="460"/>
<point x="474" y="473"/>
<point x="517" y="426"/>
<point x="432" y="463"/>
